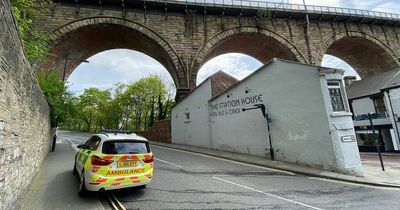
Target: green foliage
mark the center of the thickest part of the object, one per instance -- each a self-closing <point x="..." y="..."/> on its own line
<point x="135" y="106"/>
<point x="35" y="40"/>
<point x="57" y="96"/>
<point x="264" y="14"/>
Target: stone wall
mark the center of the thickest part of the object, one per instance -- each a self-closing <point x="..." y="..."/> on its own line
<point x="182" y="41"/>
<point x="160" y="131"/>
<point x="24" y="116"/>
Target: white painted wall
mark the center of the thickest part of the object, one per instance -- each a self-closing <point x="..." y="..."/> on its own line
<point x="346" y="154"/>
<point x="300" y="127"/>
<point x="303" y="129"/>
<point x="196" y="130"/>
<point x="363" y="106"/>
<point x="237" y="131"/>
<point x="297" y="100"/>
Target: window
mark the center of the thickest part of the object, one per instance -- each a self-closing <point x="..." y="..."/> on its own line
<point x="187" y="115"/>
<point x="335" y="93"/>
<point x="366" y="137"/>
<point x="94" y="143"/>
<point x="379" y="105"/>
<point x="125" y="147"/>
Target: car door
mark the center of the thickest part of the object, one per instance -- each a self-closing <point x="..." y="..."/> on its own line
<point x="81" y="155"/>
<point x="87" y="154"/>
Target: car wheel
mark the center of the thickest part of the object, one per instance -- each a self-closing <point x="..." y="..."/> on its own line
<point x="82" y="189"/>
<point x="74" y="171"/>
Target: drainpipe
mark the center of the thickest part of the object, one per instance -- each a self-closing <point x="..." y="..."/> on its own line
<point x="394" y="116"/>
<point x="308" y="20"/>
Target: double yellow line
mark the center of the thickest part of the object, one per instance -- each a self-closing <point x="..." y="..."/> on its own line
<point x="114" y="202"/>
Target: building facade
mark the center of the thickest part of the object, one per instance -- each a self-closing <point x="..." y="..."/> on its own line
<point x="379" y="96"/>
<point x="308" y="117"/>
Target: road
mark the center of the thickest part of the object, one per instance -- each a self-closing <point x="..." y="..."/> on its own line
<point x="185" y="180"/>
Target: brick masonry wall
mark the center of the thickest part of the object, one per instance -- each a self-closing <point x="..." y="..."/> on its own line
<point x="188" y="41"/>
<point x="24" y="116"/>
<point x="160" y="131"/>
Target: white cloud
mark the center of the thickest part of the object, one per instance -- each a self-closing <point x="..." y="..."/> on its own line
<point x="391" y="6"/>
<point x="334" y="62"/>
<point x="110" y="67"/>
<point x="235" y="64"/>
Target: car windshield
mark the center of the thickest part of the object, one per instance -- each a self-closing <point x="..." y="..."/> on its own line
<point x="125" y="147"/>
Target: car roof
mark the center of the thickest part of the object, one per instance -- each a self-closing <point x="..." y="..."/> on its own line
<point x="119" y="136"/>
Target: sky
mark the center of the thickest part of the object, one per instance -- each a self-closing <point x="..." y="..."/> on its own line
<point x="122" y="65"/>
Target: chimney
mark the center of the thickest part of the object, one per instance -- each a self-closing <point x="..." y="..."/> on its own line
<point x="349" y="79"/>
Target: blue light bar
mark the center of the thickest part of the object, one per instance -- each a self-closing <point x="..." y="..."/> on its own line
<point x="116" y="131"/>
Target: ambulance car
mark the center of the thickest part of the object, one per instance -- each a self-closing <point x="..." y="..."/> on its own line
<point x="110" y="161"/>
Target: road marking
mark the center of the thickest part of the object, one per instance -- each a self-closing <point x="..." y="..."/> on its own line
<point x="169" y="163"/>
<point x="354" y="184"/>
<point x="114" y="202"/>
<point x="232" y="161"/>
<point x="268" y="194"/>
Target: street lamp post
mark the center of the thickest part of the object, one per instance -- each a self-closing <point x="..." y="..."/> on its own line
<point x="65" y="64"/>
<point x="265" y="115"/>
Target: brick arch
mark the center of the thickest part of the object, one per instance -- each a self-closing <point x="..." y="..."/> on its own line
<point x="365" y="53"/>
<point x="83" y="38"/>
<point x="261" y="44"/>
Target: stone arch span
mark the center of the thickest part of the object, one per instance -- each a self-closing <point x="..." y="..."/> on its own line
<point x="83" y="38"/>
<point x="259" y="43"/>
<point x="365" y="53"/>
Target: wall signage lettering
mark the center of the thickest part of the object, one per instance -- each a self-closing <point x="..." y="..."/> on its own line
<point x="234" y="106"/>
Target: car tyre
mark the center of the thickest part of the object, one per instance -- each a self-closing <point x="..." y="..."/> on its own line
<point x="74" y="171"/>
<point x="82" y="191"/>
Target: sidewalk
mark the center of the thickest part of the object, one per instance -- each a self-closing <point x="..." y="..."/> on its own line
<point x="373" y="174"/>
<point x="55" y="187"/>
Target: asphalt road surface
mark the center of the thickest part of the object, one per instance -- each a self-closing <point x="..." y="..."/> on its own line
<point x="185" y="180"/>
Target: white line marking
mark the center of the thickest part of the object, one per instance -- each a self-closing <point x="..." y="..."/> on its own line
<point x="268" y="194"/>
<point x="169" y="163"/>
<point x="232" y="161"/>
<point x="354" y="184"/>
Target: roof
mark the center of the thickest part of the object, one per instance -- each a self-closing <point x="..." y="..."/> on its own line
<point x="220" y="81"/>
<point x="373" y="85"/>
<point x="395" y="82"/>
<point x="113" y="136"/>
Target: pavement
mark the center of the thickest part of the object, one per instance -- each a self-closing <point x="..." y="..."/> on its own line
<point x="54" y="187"/>
<point x="373" y="174"/>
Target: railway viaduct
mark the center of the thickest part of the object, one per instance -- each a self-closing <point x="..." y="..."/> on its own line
<point x="183" y="35"/>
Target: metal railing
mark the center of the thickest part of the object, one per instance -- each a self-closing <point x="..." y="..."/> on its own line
<point x="373" y="116"/>
<point x="285" y="7"/>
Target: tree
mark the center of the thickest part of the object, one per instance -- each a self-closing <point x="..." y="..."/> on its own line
<point x="57" y="96"/>
<point x="92" y="105"/>
<point x="135" y="106"/>
<point x="34" y="39"/>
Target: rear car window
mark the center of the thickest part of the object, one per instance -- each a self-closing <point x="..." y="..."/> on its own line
<point x="125" y="147"/>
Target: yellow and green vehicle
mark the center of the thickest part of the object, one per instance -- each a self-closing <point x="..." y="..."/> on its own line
<point x="109" y="161"/>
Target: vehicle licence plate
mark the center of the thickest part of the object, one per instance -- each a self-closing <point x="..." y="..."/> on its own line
<point x="125" y="164"/>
